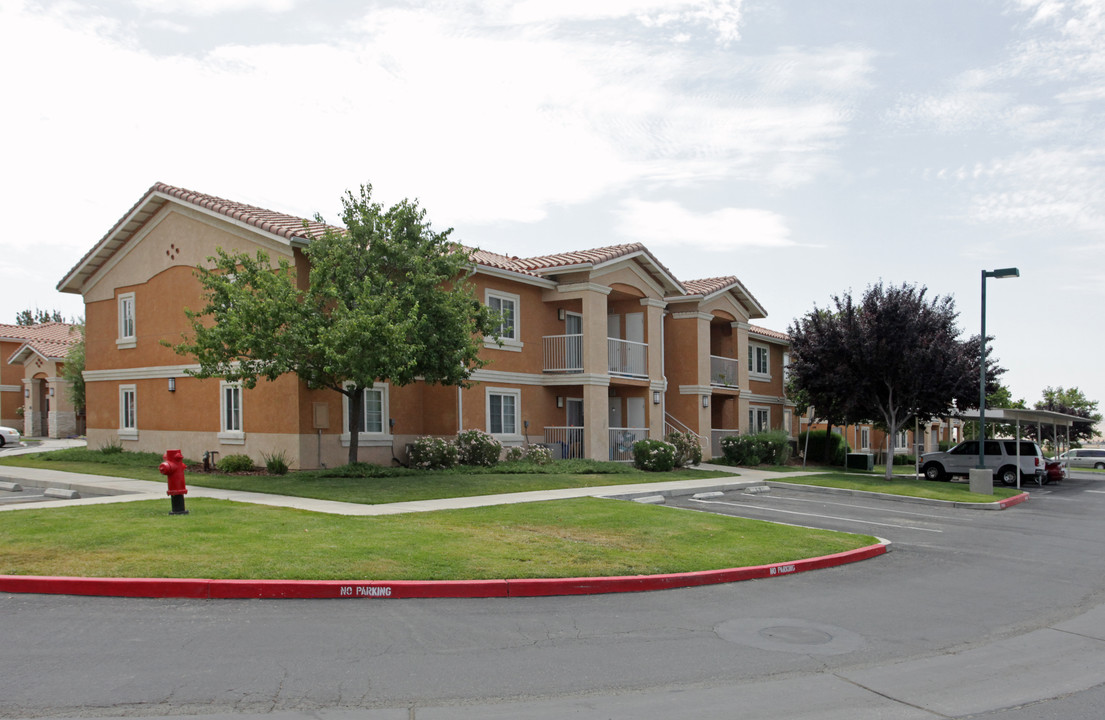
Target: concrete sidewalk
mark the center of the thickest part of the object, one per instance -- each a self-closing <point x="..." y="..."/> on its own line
<point x="114" y="489"/>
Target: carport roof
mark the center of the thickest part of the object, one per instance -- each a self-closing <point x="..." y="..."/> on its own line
<point x="1044" y="417"/>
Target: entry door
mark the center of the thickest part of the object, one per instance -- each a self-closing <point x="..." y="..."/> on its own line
<point x="575" y="412"/>
<point x="635" y="412"/>
<point x="574" y="409"/>
<point x="635" y="327"/>
<point x="615" y="412"/>
<point x="573" y="325"/>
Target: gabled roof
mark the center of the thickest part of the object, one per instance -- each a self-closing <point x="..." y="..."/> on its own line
<point x="50" y="340"/>
<point x="708" y="288"/>
<point x="597" y="258"/>
<point x="288" y="228"/>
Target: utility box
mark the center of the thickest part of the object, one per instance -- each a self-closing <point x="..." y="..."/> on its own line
<point x="860" y="461"/>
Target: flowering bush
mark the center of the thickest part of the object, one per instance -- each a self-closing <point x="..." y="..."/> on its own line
<point x="536" y="454"/>
<point x="432" y="453"/>
<point x="478" y="448"/>
<point x="770" y="447"/>
<point x="653" y="455"/>
<point x="688" y="451"/>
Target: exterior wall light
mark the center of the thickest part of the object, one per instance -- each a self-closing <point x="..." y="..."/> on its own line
<point x="705" y="401"/>
<point x="560" y="313"/>
<point x="560" y="401"/>
<point x="172" y="384"/>
<point x="655" y="397"/>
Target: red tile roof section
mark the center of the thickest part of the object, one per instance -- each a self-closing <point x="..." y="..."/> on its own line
<point x="46" y="332"/>
<point x="708" y="285"/>
<point x="287" y="226"/>
<point x="774" y="334"/>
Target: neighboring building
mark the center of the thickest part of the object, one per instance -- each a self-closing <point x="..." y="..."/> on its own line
<point x="865" y="437"/>
<point x="602" y="347"/>
<point x="31" y="360"/>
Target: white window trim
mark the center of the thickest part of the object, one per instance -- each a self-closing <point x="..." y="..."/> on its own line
<point x="865" y="438"/>
<point x="753" y="356"/>
<point x="368" y="439"/>
<point x="126" y="340"/>
<point x="231" y="437"/>
<point x="515" y="436"/>
<point x="756" y="409"/>
<point x="513" y="344"/>
<point x="788" y="422"/>
<point x="128" y="433"/>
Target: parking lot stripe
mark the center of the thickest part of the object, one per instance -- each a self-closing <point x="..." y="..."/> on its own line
<point x="815" y="515"/>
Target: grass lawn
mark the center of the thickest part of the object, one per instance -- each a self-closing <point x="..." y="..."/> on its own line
<point x="366" y="484"/>
<point x="909" y="486"/>
<point x="587" y="537"/>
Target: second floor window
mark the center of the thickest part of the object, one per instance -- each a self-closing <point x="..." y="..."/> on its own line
<point x="758" y="360"/>
<point x="126" y="321"/>
<point x="506" y="305"/>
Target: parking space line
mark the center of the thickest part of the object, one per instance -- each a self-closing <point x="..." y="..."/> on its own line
<point x="815" y="515"/>
<point x="767" y="496"/>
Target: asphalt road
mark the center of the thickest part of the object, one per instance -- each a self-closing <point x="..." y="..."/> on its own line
<point x="972" y="614"/>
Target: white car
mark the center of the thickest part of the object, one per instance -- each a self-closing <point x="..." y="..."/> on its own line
<point x="1085" y="457"/>
<point x="8" y="435"/>
<point x="1000" y="457"/>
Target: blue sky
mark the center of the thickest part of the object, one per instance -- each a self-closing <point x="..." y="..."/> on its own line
<point x="810" y="147"/>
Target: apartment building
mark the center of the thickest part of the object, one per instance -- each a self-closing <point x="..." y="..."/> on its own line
<point x="33" y="395"/>
<point x="600" y="348"/>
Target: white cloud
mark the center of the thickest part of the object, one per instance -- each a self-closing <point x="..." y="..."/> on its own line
<point x="666" y="223"/>
<point x="209" y="8"/>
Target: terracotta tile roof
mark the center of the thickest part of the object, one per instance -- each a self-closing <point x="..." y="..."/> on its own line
<point x="708" y="285"/>
<point x="45" y="332"/>
<point x="773" y="334"/>
<point x="543" y="264"/>
<point x="50" y="340"/>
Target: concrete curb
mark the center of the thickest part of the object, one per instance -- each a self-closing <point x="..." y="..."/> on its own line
<point x="997" y="505"/>
<point x="350" y="589"/>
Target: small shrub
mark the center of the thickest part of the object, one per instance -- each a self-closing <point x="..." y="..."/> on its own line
<point x="815" y="451"/>
<point x="905" y="459"/>
<point x="770" y="447"/>
<point x="534" y="454"/>
<point x="433" y="453"/>
<point x="688" y="451"/>
<point x="235" y="463"/>
<point x="111" y="449"/>
<point x="476" y="447"/>
<point x="276" y="463"/>
<point x="653" y="455"/>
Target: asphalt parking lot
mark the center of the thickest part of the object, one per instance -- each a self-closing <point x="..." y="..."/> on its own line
<point x="902" y="521"/>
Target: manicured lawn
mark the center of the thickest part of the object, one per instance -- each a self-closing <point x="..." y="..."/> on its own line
<point x="912" y="487"/>
<point x="367" y="484"/>
<point x="572" y="538"/>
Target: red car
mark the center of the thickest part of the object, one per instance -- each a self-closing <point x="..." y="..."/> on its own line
<point x="1054" y="471"/>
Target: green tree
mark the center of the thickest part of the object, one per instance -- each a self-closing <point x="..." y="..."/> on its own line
<point x="1001" y="397"/>
<point x="72" y="371"/>
<point x="386" y="299"/>
<point x="36" y="317"/>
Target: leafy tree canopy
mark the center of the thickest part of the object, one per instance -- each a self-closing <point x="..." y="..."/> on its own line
<point x="386" y="299"/>
<point x="889" y="357"/>
<point x="37" y="317"/>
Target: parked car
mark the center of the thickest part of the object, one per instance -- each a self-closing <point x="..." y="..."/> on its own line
<point x="1054" y="471"/>
<point x="1084" y="457"/>
<point x="1000" y="456"/>
<point x="8" y="435"/>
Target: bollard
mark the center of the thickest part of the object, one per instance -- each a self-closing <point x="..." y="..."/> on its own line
<point x="173" y="469"/>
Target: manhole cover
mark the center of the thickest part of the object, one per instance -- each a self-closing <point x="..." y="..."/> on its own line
<point x="790" y="635"/>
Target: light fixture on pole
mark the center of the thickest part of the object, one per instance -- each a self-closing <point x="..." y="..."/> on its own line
<point x="998" y="274"/>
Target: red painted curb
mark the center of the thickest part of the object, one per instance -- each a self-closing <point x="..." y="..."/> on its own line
<point x="1015" y="500"/>
<point x="349" y="589"/>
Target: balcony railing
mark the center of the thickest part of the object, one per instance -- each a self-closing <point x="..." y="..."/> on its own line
<point x="565" y="442"/>
<point x="621" y="442"/>
<point x="563" y="353"/>
<point x="723" y="371"/>
<point x="627" y="357"/>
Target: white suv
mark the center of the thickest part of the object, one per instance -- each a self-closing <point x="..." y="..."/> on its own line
<point x="1000" y="457"/>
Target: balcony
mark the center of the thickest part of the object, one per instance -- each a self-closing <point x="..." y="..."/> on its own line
<point x="563" y="353"/>
<point x="565" y="442"/>
<point x="723" y="371"/>
<point x="626" y="357"/>
<point x="622" y="441"/>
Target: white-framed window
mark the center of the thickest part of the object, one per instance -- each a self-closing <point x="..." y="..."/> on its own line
<point x="127" y="337"/>
<point x="128" y="412"/>
<point x="865" y="438"/>
<point x="373" y="427"/>
<point x="230" y="414"/>
<point x="503" y="407"/>
<point x="901" y="443"/>
<point x="759" y="419"/>
<point x="507" y="305"/>
<point x="786" y="367"/>
<point x="758" y="360"/>
<point x="788" y="421"/>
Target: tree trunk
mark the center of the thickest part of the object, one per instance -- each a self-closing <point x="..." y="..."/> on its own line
<point x="356" y="409"/>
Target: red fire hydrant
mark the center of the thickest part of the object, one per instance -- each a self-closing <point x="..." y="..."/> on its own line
<point x="173" y="469"/>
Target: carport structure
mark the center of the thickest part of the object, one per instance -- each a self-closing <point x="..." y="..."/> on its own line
<point x="1019" y="417"/>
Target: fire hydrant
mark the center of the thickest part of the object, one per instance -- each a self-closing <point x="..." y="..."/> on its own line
<point x="173" y="469"/>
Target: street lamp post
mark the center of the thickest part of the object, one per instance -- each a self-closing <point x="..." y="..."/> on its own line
<point x="999" y="274"/>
